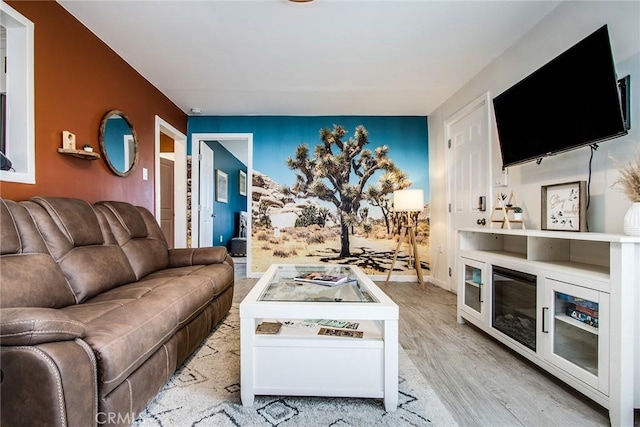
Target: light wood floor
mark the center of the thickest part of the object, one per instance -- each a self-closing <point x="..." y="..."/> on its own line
<point x="479" y="380"/>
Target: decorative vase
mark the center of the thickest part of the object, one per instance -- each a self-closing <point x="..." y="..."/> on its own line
<point x="631" y="226"/>
<point x="517" y="216"/>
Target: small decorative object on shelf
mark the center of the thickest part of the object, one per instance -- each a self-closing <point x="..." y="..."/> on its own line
<point x="517" y="213"/>
<point x="268" y="328"/>
<point x="630" y="182"/>
<point x="69" y="148"/>
<point x="68" y="140"/>
<point x="564" y="206"/>
<point x="88" y="148"/>
<point x="504" y="205"/>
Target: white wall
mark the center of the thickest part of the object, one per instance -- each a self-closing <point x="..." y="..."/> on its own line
<point x="567" y="24"/>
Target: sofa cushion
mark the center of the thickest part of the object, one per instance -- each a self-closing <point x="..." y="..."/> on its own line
<point x="127" y="324"/>
<point x="75" y="219"/>
<point x="138" y="234"/>
<point x="29" y="276"/>
<point x="182" y="257"/>
<point x="219" y="276"/>
<point x="9" y="238"/>
<point x="75" y="240"/>
<point x="31" y="326"/>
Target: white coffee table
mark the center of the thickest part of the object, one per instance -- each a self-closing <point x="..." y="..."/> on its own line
<point x="299" y="362"/>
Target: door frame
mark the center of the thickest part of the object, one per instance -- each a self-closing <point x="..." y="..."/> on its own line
<point x="452" y="241"/>
<point x="179" y="179"/>
<point x="195" y="181"/>
<point x="198" y="217"/>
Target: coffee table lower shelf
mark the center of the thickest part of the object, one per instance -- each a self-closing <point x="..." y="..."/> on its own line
<point x="298" y="363"/>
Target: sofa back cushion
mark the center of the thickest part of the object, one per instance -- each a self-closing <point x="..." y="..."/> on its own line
<point x="71" y="229"/>
<point x="29" y="275"/>
<point x="139" y="235"/>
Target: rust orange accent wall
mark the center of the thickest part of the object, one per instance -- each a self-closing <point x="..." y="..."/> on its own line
<point x="78" y="78"/>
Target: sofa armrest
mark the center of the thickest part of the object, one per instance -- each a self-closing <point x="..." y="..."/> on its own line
<point x="32" y="325"/>
<point x="53" y="384"/>
<point x="183" y="257"/>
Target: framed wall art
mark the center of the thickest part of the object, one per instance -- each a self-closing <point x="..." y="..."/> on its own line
<point x="564" y="206"/>
<point x="242" y="183"/>
<point x="222" y="187"/>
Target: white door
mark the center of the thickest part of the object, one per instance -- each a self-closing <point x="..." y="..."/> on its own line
<point x="468" y="173"/>
<point x="206" y="195"/>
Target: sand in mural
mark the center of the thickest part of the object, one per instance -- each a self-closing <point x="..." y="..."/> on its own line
<point x="339" y="210"/>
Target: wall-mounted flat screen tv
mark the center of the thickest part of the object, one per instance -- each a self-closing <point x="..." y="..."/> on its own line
<point x="570" y="102"/>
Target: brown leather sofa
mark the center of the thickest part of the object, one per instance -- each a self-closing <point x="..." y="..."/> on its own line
<point x="96" y="313"/>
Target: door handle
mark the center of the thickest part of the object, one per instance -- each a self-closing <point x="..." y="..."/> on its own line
<point x="481" y="221"/>
<point x="544" y="317"/>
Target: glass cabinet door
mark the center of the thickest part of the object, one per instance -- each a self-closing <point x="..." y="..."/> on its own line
<point x="473" y="288"/>
<point x="576" y="321"/>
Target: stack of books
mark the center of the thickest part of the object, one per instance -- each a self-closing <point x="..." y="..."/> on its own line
<point x="320" y="278"/>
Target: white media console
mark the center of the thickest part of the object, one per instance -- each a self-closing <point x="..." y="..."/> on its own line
<point x="567" y="301"/>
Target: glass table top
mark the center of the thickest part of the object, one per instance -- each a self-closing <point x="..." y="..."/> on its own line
<point x="283" y="286"/>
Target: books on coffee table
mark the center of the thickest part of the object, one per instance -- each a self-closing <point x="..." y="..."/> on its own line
<point x="320" y="278"/>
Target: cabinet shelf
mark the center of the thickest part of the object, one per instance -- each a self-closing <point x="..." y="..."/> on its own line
<point x="578" y="324"/>
<point x="472" y="283"/>
<point x="81" y="154"/>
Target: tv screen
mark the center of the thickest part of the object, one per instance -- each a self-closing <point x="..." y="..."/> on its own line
<point x="570" y="102"/>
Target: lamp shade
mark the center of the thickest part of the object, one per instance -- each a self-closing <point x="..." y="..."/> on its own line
<point x="408" y="200"/>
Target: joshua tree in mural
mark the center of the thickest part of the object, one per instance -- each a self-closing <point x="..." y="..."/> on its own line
<point x="378" y="194"/>
<point x="263" y="217"/>
<point x="327" y="174"/>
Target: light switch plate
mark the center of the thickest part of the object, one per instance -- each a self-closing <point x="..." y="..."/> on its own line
<point x="501" y="179"/>
<point x="145" y="174"/>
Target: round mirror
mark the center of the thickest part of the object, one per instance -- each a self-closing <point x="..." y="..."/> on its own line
<point x="118" y="142"/>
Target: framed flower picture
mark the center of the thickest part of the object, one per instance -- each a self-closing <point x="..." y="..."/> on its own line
<point x="564" y="206"/>
<point x="222" y="186"/>
<point x="242" y="183"/>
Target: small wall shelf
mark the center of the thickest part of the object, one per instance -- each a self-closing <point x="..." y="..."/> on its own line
<point x="502" y="208"/>
<point x="81" y="154"/>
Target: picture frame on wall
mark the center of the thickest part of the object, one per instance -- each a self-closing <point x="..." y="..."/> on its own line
<point x="242" y="183"/>
<point x="222" y="187"/>
<point x="564" y="206"/>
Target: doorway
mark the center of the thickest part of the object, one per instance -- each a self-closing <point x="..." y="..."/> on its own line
<point x="468" y="147"/>
<point x="164" y="130"/>
<point x="241" y="146"/>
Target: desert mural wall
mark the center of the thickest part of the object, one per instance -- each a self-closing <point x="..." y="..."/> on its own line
<point x="322" y="188"/>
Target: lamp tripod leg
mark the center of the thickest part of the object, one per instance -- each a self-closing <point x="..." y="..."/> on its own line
<point x="395" y="255"/>
<point x="416" y="255"/>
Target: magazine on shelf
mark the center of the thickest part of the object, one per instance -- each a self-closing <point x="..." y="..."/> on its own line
<point x="320" y="278"/>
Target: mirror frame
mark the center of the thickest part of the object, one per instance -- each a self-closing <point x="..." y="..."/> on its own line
<point x="103" y="148"/>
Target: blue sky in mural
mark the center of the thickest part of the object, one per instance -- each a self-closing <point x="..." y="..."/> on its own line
<point x="276" y="137"/>
<point x="406" y="138"/>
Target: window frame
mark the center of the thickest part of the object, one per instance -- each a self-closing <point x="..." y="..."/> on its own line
<point x="20" y="123"/>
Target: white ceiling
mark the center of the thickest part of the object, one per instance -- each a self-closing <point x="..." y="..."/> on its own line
<point x="326" y="57"/>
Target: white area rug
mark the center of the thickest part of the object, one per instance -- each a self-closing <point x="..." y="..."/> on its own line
<point x="206" y="392"/>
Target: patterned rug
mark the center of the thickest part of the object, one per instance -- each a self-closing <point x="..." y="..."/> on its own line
<point x="206" y="392"/>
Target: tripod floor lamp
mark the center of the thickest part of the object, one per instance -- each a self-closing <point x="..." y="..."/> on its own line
<point x="408" y="201"/>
